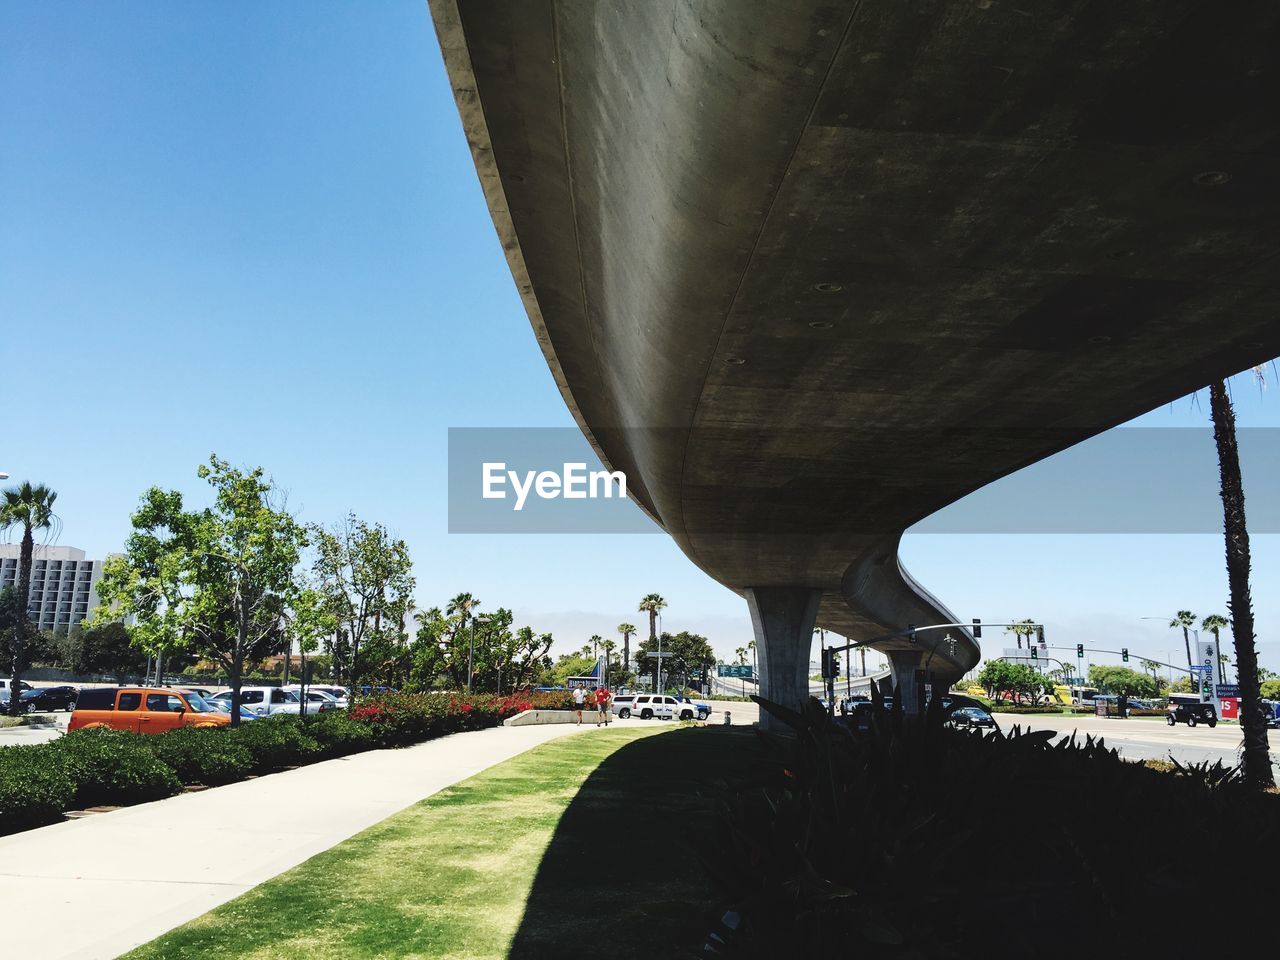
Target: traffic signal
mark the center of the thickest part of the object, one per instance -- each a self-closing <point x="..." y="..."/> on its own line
<point x="911" y="632"/>
<point x="1124" y="654"/>
<point x="977" y="629"/>
<point x="827" y="664"/>
<point x="1040" y="635"/>
<point x="1080" y="651"/>
<point x="1035" y="654"/>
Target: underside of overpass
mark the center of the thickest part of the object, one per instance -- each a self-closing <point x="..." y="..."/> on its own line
<point x="809" y="272"/>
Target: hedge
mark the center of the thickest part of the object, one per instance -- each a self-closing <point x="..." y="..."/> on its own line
<point x="89" y="768"/>
<point x="910" y="840"/>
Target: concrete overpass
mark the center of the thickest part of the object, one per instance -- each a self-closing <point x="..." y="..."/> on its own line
<point x="810" y="271"/>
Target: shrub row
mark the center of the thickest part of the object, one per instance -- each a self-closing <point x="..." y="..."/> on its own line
<point x="89" y="768"/>
<point x="911" y="840"/>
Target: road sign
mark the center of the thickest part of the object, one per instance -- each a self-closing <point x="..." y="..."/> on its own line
<point x="734" y="670"/>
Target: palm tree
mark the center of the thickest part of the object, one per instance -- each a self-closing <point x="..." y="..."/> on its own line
<point x="608" y="646"/>
<point x="30" y="508"/>
<point x="461" y="606"/>
<point x="651" y="604"/>
<point x="751" y="645"/>
<point x="1257" y="758"/>
<point x="1214" y="624"/>
<point x="1023" y="628"/>
<point x="742" y="656"/>
<point x="626" y="629"/>
<point x="1185" y="619"/>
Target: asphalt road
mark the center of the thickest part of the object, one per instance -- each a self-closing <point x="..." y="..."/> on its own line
<point x="1136" y="739"/>
<point x="1146" y="739"/>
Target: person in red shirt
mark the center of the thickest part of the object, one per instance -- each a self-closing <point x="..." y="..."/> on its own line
<point x="602" y="704"/>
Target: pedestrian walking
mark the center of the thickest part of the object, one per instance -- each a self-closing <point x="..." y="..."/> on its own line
<point x="602" y="705"/>
<point x="578" y="696"/>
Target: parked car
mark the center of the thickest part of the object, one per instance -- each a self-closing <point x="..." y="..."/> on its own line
<point x="621" y="706"/>
<point x="649" y="705"/>
<point x="201" y="692"/>
<point x="6" y="685"/>
<point x="703" y="709"/>
<point x="49" y="698"/>
<point x="334" y="695"/>
<point x="265" y="701"/>
<point x="1191" y="714"/>
<point x="320" y="702"/>
<point x="224" y="707"/>
<point x="142" y="710"/>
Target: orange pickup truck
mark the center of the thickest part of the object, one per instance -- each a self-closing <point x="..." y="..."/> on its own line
<point x="143" y="710"/>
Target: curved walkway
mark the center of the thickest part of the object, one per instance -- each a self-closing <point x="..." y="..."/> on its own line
<point x="97" y="887"/>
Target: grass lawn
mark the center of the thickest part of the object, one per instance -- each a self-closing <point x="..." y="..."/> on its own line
<point x="525" y="860"/>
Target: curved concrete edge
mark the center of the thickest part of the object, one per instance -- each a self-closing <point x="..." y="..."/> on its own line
<point x="447" y="17"/>
<point x="879" y="587"/>
<point x="537" y="717"/>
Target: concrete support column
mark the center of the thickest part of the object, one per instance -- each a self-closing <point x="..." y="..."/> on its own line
<point x="783" y="618"/>
<point x="904" y="664"/>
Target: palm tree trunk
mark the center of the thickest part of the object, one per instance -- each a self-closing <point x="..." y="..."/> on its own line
<point x="25" y="557"/>
<point x="1257" y="758"/>
<point x="1186" y="642"/>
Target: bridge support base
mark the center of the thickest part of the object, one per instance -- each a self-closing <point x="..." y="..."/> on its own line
<point x="783" y="618"/>
<point x="905" y="665"/>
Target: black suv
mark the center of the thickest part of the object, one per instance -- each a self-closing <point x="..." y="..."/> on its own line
<point x="1191" y="714"/>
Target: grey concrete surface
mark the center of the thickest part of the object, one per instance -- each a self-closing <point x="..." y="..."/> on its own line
<point x="810" y="271"/>
<point x="94" y="888"/>
<point x="1147" y="738"/>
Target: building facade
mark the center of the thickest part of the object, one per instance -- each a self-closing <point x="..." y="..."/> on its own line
<point x="63" y="584"/>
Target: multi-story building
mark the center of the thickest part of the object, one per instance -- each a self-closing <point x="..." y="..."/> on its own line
<point x="63" y="584"/>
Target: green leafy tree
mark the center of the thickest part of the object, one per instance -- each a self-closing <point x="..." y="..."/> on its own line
<point x="1270" y="689"/>
<point x="366" y="577"/>
<point x="1019" y="680"/>
<point x="309" y="624"/>
<point x="1122" y="681"/>
<point x="102" y="647"/>
<point x="1182" y="685"/>
<point x="1153" y="667"/>
<point x="503" y="658"/>
<point x="29" y="508"/>
<point x="216" y="581"/>
<point x="35" y="646"/>
<point x="567" y="665"/>
<point x="690" y="656"/>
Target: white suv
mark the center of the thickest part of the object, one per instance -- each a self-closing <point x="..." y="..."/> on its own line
<point x="264" y="701"/>
<point x="648" y="705"/>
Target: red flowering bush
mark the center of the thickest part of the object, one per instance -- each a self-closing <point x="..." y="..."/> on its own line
<point x="397" y="719"/>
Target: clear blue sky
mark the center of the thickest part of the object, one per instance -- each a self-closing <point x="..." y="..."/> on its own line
<point x="254" y="228"/>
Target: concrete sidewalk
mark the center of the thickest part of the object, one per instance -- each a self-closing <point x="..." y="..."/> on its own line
<point x="97" y="887"/>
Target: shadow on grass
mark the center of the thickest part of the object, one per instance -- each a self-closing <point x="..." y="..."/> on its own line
<point x="625" y="865"/>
